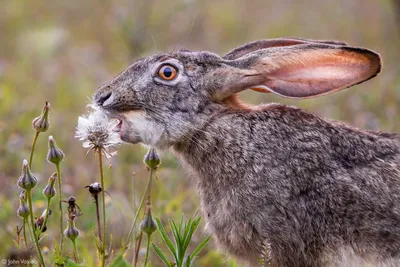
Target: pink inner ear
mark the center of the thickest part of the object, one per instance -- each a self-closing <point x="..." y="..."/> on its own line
<point x="317" y="75"/>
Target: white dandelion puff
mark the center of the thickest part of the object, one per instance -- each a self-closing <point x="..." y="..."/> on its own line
<point x="95" y="130"/>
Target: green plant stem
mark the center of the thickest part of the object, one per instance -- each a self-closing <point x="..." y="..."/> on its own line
<point x="103" y="259"/>
<point x="29" y="229"/>
<point x="60" y="207"/>
<point x="24" y="232"/>
<point x="148" y="186"/>
<point x="76" y="256"/>
<point x="39" y="251"/>
<point x="45" y="218"/>
<point x="33" y="148"/>
<point x="147" y="250"/>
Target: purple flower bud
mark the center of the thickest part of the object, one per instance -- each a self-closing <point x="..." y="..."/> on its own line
<point x="42" y="123"/>
<point x="71" y="232"/>
<point x="27" y="180"/>
<point x="23" y="210"/>
<point x="49" y="191"/>
<point x="152" y="160"/>
<point x="54" y="155"/>
<point x="148" y="225"/>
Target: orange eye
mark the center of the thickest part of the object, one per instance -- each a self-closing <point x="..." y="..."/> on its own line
<point x="167" y="72"/>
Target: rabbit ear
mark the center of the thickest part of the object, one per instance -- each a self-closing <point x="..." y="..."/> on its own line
<point x="262" y="44"/>
<point x="302" y="71"/>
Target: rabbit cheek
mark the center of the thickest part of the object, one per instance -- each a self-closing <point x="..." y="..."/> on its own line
<point x="129" y="134"/>
<point x="140" y="129"/>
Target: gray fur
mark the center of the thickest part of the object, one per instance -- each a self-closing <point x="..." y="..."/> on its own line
<point x="307" y="189"/>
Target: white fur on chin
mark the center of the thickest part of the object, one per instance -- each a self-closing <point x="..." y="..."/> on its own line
<point x="149" y="132"/>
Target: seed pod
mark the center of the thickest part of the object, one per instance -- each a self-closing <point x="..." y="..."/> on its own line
<point x="42" y="123"/>
<point x="151" y="159"/>
<point x="148" y="225"/>
<point x="27" y="180"/>
<point x="54" y="155"/>
<point x="71" y="232"/>
<point x="94" y="189"/>
<point x="49" y="192"/>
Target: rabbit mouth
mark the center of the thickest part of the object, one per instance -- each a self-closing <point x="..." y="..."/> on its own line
<point x="118" y="127"/>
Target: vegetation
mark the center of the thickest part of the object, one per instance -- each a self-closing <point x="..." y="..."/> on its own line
<point x="60" y="51"/>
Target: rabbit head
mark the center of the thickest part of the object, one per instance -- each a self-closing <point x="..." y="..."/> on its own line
<point x="160" y="99"/>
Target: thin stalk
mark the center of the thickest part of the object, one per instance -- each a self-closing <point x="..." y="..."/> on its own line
<point x="147" y="250"/>
<point x="103" y="260"/>
<point x="96" y="199"/>
<point x="148" y="186"/>
<point x="76" y="256"/>
<point x="24" y="232"/>
<point x="39" y="251"/>
<point x="137" y="248"/>
<point x="60" y="207"/>
<point x="138" y="244"/>
<point x="45" y="218"/>
<point x="30" y="230"/>
<point x="33" y="148"/>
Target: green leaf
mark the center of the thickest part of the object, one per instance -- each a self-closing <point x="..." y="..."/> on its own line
<point x="188" y="261"/>
<point x="161" y="255"/>
<point x="181" y="224"/>
<point x="192" y="228"/>
<point x="165" y="237"/>
<point x="200" y="247"/>
<point x="119" y="261"/>
<point x="73" y="264"/>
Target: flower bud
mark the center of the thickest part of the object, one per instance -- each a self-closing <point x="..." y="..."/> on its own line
<point x="54" y="155"/>
<point x="42" y="123"/>
<point x="148" y="225"/>
<point x="23" y="210"/>
<point x="71" y="232"/>
<point x="49" y="192"/>
<point x="152" y="160"/>
<point x="27" y="180"/>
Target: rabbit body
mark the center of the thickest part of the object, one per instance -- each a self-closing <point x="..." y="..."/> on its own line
<point x="280" y="181"/>
<point x="276" y="184"/>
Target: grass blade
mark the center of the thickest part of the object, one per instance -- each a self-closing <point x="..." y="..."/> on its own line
<point x="200" y="247"/>
<point x="166" y="238"/>
<point x="161" y="255"/>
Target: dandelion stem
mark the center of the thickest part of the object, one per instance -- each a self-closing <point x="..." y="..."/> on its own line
<point x="33" y="148"/>
<point x="29" y="229"/>
<point x="76" y="256"/>
<point x="148" y="187"/>
<point x="24" y="232"/>
<point x="147" y="250"/>
<point x="103" y="206"/>
<point x="29" y="196"/>
<point x="60" y="207"/>
<point x="96" y="199"/>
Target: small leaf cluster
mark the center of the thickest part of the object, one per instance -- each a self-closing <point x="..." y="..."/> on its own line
<point x="182" y="233"/>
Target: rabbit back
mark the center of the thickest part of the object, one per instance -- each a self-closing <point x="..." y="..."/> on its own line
<point x="307" y="186"/>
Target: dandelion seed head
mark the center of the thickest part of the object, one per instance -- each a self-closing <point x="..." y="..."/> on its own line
<point x="95" y="130"/>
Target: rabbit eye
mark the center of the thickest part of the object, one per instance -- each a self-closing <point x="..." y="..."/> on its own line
<point x="167" y="72"/>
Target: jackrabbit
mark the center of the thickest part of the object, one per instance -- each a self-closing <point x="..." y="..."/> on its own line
<point x="276" y="183"/>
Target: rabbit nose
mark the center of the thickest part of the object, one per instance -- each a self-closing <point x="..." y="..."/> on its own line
<point x="102" y="98"/>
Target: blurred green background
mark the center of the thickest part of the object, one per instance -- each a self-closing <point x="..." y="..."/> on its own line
<point x="61" y="51"/>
